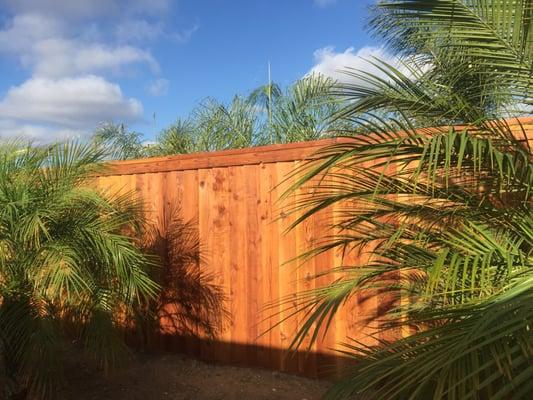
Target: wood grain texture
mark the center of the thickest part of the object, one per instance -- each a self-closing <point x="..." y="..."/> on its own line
<point x="231" y="199"/>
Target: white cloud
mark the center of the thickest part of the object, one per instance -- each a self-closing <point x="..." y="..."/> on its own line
<point x="88" y="8"/>
<point x="24" y="30"/>
<point x="72" y="51"/>
<point x="76" y="104"/>
<point x="138" y="30"/>
<point x="58" y="58"/>
<point x="14" y="130"/>
<point x="324" y="3"/>
<point x="158" y="87"/>
<point x="184" y="36"/>
<point x="41" y="44"/>
<point x="335" y="64"/>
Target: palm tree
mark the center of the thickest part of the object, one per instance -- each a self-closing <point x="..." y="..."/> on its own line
<point x="68" y="269"/>
<point x="178" y="138"/>
<point x="120" y="143"/>
<point x="221" y="127"/>
<point x="435" y="184"/>
<point x="265" y="97"/>
<point x="305" y="111"/>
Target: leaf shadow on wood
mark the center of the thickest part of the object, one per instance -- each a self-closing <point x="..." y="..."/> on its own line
<point x="190" y="302"/>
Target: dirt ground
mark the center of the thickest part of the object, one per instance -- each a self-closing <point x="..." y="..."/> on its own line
<point x="176" y="377"/>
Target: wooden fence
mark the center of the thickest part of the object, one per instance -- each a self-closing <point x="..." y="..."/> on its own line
<point x="231" y="198"/>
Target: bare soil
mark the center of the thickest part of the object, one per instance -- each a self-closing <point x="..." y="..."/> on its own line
<point x="176" y="377"/>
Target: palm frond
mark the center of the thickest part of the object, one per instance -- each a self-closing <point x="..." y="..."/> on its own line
<point x="434" y="185"/>
<point x="66" y="261"/>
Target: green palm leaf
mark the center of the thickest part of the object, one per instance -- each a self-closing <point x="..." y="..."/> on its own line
<point x="435" y="185"/>
<point x="67" y="270"/>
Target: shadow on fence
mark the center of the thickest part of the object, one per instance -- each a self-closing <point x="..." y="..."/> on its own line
<point x="190" y="302"/>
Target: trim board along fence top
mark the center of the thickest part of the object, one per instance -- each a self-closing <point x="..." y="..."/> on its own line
<point x="253" y="155"/>
<point x="225" y="158"/>
<point x="230" y="200"/>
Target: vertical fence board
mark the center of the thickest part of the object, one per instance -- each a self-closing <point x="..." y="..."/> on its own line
<point x="188" y="206"/>
<point x="269" y="283"/>
<point x="219" y="248"/>
<point x="237" y="267"/>
<point x="253" y="260"/>
<point x="305" y="271"/>
<point x="205" y="231"/>
<point x="287" y="272"/>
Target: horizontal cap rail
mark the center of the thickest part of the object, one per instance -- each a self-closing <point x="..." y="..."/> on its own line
<point x="247" y="156"/>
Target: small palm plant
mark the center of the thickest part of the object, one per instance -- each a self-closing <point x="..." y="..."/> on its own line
<point x="121" y="144"/>
<point x="178" y="138"/>
<point x="68" y="269"/>
<point x="305" y="111"/>
<point x="435" y="184"/>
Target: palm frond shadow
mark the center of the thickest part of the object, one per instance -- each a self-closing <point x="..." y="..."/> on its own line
<point x="190" y="302"/>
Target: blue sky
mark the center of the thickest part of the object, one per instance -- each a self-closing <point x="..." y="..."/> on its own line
<point x="65" y="67"/>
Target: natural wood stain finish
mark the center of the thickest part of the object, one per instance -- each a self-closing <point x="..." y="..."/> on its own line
<point x="232" y="198"/>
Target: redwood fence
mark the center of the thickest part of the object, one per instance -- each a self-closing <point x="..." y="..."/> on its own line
<point x="231" y="198"/>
